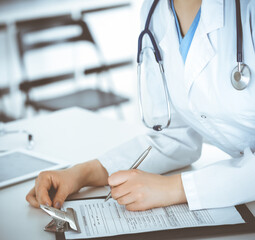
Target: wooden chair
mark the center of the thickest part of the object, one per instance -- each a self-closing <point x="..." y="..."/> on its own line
<point x="89" y="98"/>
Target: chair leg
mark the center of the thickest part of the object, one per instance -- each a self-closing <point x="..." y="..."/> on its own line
<point x="27" y="110"/>
<point x="119" y="112"/>
<point x="24" y="112"/>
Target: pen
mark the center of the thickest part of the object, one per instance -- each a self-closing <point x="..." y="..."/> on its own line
<point x="135" y="165"/>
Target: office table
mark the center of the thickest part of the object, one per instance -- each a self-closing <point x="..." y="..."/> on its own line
<point x="72" y="135"/>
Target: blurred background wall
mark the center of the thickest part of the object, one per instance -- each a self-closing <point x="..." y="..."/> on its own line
<point x="37" y="42"/>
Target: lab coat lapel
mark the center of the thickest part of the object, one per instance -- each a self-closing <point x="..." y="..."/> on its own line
<point x="169" y="44"/>
<point x="167" y="23"/>
<point x="201" y="50"/>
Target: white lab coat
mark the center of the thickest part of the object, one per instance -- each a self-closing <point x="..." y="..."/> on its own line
<point x="205" y="106"/>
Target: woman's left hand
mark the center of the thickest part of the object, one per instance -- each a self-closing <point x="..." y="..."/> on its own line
<point x="139" y="190"/>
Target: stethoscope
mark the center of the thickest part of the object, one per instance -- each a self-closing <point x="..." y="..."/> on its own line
<point x="240" y="76"/>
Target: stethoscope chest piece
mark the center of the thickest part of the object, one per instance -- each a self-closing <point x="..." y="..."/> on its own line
<point x="240" y="76"/>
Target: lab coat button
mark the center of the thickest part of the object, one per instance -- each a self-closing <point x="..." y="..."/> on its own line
<point x="203" y="116"/>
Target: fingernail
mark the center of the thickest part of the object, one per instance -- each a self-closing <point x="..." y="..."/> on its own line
<point x="47" y="204"/>
<point x="57" y="205"/>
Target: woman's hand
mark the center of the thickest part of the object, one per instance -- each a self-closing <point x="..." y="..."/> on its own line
<point x="138" y="190"/>
<point x="66" y="182"/>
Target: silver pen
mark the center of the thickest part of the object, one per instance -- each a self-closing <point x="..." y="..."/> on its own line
<point x="134" y="166"/>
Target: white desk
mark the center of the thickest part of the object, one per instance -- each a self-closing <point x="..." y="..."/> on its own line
<point x="73" y="135"/>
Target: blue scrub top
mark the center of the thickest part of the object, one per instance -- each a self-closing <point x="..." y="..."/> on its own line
<point x="185" y="41"/>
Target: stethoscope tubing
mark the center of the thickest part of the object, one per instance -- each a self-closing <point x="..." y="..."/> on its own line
<point x="240" y="76"/>
<point x="239" y="33"/>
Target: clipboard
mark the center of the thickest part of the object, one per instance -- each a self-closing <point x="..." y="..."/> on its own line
<point x="189" y="232"/>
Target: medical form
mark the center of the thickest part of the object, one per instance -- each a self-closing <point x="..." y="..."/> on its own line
<point x="98" y="218"/>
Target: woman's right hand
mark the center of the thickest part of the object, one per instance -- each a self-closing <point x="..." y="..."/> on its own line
<point x="66" y="182"/>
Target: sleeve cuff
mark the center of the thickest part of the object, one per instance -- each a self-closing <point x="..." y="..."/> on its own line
<point x="191" y="191"/>
<point x="124" y="155"/>
<point x="110" y="164"/>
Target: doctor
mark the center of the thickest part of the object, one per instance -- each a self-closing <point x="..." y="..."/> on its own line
<point x="197" y="41"/>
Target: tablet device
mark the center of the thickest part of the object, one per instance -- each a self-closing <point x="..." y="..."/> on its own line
<point x="20" y="165"/>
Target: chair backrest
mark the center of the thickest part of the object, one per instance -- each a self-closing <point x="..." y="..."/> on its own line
<point x="38" y="25"/>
